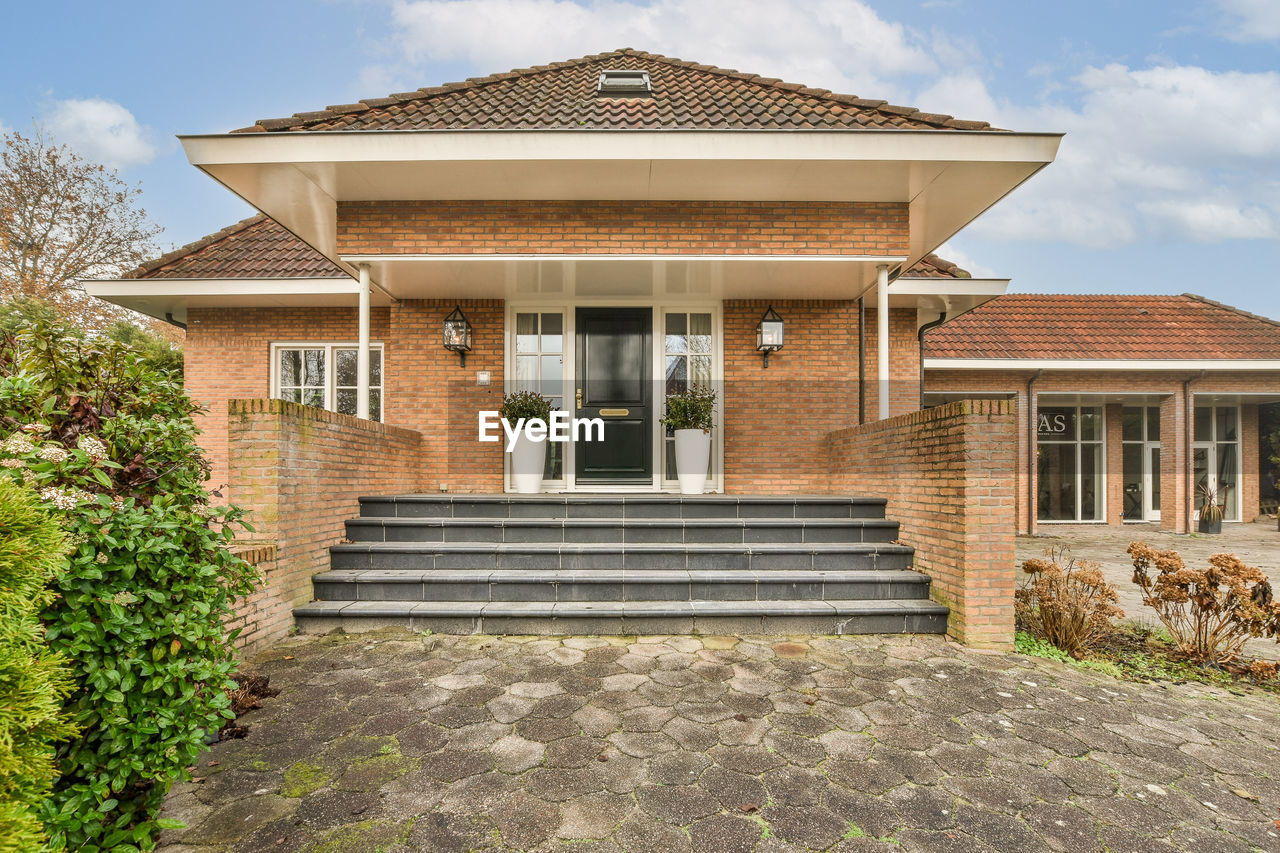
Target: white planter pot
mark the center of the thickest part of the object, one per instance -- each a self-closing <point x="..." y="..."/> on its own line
<point x="528" y="460"/>
<point x="693" y="452"/>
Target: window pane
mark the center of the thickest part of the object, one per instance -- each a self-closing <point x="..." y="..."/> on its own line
<point x="700" y="333"/>
<point x="347" y="401"/>
<point x="375" y="405"/>
<point x="552" y="333"/>
<point x="1057" y="423"/>
<point x="1131" y="423"/>
<point x="551" y="375"/>
<point x="290" y="368"/>
<point x="677" y="328"/>
<point x="526" y="372"/>
<point x="292" y="395"/>
<point x="1153" y="423"/>
<point x="1204" y="423"/>
<point x="700" y="371"/>
<point x="1056" y="497"/>
<point x="1226" y="423"/>
<point x="1200" y="463"/>
<point x="1228" y="481"/>
<point x="677" y="373"/>
<point x="1133" y="480"/>
<point x="313" y="367"/>
<point x="1091" y="485"/>
<point x="313" y="397"/>
<point x="346" y="367"/>
<point x="375" y="367"/>
<point x="1090" y="424"/>
<point x="526" y="333"/>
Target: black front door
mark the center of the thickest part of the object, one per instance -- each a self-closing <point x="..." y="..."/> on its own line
<point x="615" y="384"/>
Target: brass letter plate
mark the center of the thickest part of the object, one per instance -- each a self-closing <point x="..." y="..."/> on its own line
<point x="614" y="413"/>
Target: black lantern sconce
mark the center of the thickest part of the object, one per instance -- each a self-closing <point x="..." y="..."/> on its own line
<point x="769" y="333"/>
<point x="457" y="334"/>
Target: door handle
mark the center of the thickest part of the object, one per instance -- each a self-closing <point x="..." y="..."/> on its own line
<point x="579" y="398"/>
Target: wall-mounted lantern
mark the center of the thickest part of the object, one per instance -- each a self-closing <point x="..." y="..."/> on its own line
<point x="769" y="333"/>
<point x="457" y="334"/>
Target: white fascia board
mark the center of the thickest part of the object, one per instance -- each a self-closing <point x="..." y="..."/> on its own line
<point x="1100" y="364"/>
<point x="517" y="145"/>
<point x="950" y="286"/>
<point x="107" y="288"/>
<point x="493" y="257"/>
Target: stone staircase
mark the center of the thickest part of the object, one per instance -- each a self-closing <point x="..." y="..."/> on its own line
<point x="622" y="564"/>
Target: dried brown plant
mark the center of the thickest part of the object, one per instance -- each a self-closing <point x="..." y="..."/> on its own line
<point x="1210" y="612"/>
<point x="1067" y="603"/>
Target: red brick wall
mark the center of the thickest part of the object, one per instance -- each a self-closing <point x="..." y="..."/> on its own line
<point x="622" y="227"/>
<point x="776" y="420"/>
<point x="228" y="357"/>
<point x="299" y="472"/>
<point x="947" y="473"/>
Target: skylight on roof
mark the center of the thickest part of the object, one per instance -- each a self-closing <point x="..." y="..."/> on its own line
<point x="624" y="83"/>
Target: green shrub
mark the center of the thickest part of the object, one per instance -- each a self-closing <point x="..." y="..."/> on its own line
<point x="524" y="404"/>
<point x="139" y="610"/>
<point x="33" y="681"/>
<point x="690" y="409"/>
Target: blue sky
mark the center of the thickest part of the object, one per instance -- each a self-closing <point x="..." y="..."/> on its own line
<point x="1168" y="179"/>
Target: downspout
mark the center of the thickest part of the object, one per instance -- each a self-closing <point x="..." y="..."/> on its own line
<point x="862" y="360"/>
<point x="1190" y="439"/>
<point x="1032" y="440"/>
<point x="168" y="318"/>
<point x="933" y="324"/>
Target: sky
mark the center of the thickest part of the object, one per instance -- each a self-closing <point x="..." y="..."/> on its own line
<point x="1168" y="179"/>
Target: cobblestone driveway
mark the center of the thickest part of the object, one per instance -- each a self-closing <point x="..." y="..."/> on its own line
<point x="395" y="742"/>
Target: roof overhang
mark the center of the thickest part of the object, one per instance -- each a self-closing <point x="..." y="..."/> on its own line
<point x="169" y="298"/>
<point x="935" y="297"/>
<point x="1104" y="364"/>
<point x="947" y="177"/>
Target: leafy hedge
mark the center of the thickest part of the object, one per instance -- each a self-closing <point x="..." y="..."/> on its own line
<point x="110" y="442"/>
<point x="33" y="681"/>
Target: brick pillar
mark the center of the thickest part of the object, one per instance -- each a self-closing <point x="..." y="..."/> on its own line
<point x="1113" y="446"/>
<point x="1173" y="462"/>
<point x="1250" y="464"/>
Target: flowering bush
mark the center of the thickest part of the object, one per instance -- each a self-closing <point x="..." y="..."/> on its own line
<point x="33" y="681"/>
<point x="1211" y="612"/>
<point x="109" y="445"/>
<point x="1069" y="606"/>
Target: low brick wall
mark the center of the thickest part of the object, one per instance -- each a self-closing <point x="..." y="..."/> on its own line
<point x="299" y="472"/>
<point x="948" y="475"/>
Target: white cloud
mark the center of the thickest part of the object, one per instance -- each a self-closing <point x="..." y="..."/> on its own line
<point x="1172" y="152"/>
<point x="1251" y="20"/>
<point x="838" y="44"/>
<point x="101" y="130"/>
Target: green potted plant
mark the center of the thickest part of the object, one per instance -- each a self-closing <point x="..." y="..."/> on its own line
<point x="1210" y="510"/>
<point x="528" y="456"/>
<point x="690" y="414"/>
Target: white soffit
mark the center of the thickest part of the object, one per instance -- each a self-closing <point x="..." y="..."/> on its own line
<point x="948" y="177"/>
<point x="160" y="297"/>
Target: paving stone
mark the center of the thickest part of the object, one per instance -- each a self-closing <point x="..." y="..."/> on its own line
<point x="498" y="745"/>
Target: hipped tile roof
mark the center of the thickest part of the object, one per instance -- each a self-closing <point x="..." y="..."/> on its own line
<point x="932" y="266"/>
<point x="256" y="247"/>
<point x="563" y="95"/>
<point x="1106" y="326"/>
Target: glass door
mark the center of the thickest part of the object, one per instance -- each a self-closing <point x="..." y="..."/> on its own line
<point x="1216" y="458"/>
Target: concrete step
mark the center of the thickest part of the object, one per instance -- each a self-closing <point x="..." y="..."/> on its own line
<point x="621" y="530"/>
<point x="551" y="555"/>
<point x="628" y="617"/>
<point x="523" y="585"/>
<point x="620" y="506"/>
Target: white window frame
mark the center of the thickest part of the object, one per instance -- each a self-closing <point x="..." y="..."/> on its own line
<point x="568" y="308"/>
<point x="330" y="371"/>
<point x="1150" y="511"/>
<point x="1210" y="447"/>
<point x="1078" y="443"/>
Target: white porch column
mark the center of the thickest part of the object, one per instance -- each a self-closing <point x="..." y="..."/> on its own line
<point x="882" y="339"/>
<point x="362" y="350"/>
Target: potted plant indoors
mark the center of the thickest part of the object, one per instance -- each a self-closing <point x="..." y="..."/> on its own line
<point x="528" y="457"/>
<point x="689" y="416"/>
<point x="1210" y="510"/>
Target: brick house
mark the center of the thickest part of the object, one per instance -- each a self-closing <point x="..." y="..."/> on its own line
<point x="612" y="227"/>
<point x="1131" y="404"/>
